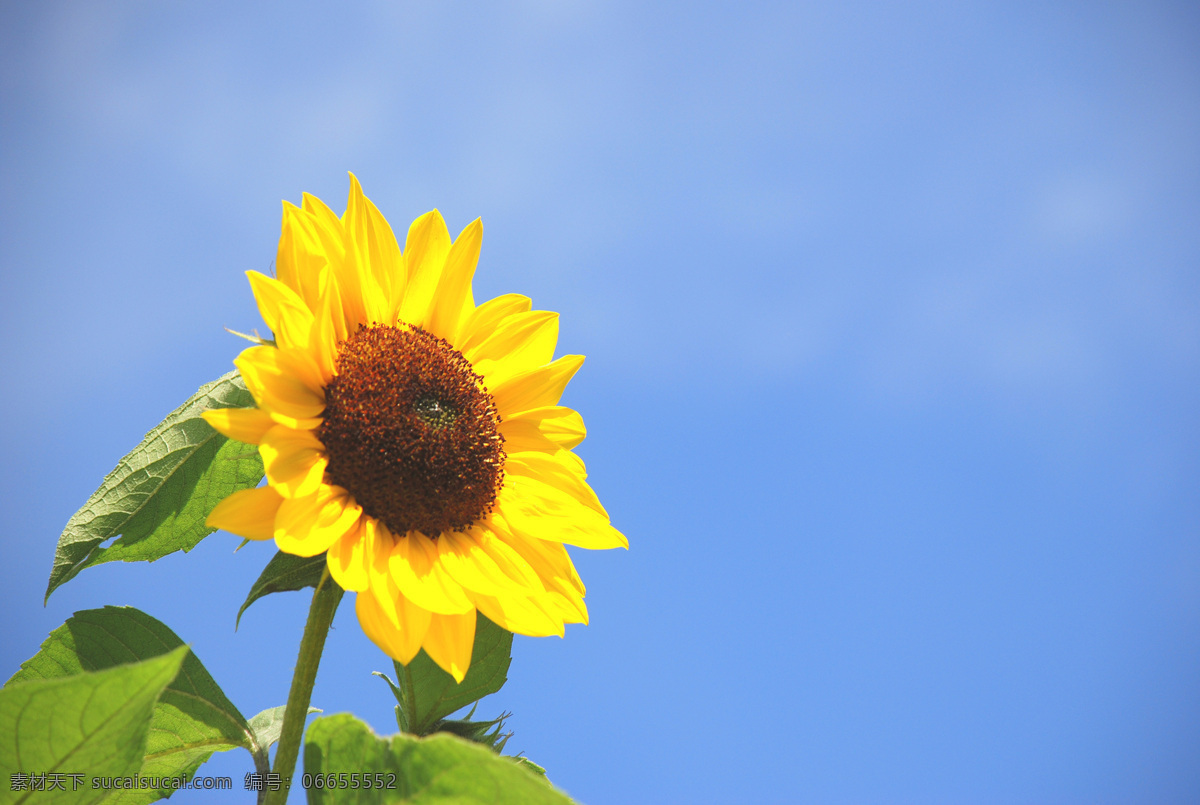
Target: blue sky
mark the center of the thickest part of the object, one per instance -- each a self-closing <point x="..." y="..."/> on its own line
<point x="892" y="316"/>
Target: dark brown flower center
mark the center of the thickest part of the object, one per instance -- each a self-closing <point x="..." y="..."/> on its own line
<point x="411" y="432"/>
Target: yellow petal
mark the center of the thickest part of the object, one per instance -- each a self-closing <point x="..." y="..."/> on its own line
<point x="328" y="331"/>
<point x="283" y="380"/>
<point x="534" y="616"/>
<point x="425" y="252"/>
<point x="402" y="642"/>
<point x="365" y="300"/>
<point x="454" y="300"/>
<point x="556" y="474"/>
<point x="568" y="607"/>
<point x="321" y="212"/>
<point x="524" y="436"/>
<point x="333" y="239"/>
<point x="481" y="563"/>
<point x="521" y="343"/>
<point x="549" y="560"/>
<point x="521" y="436"/>
<point x="249" y="513"/>
<point x="375" y="246"/>
<point x="379" y="577"/>
<point x="547" y="513"/>
<point x="357" y="288"/>
<point x="349" y="556"/>
<point x="307" y="526"/>
<point x="294" y="460"/>
<point x="413" y="624"/>
<point x="535" y="388"/>
<point x="350" y="288"/>
<point x="308" y="246"/>
<point x="283" y="310"/>
<point x="483" y="320"/>
<point x="415" y="568"/>
<point x="559" y="424"/>
<point x="508" y="559"/>
<point x="243" y="424"/>
<point x="410" y="621"/>
<point x="449" y="641"/>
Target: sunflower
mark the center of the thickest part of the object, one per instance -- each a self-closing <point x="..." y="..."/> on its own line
<point x="413" y="436"/>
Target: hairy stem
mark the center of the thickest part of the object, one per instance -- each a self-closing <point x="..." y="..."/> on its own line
<point x="320" y="615"/>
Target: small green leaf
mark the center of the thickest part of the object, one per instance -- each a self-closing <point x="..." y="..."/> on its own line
<point x="284" y="573"/>
<point x="268" y="725"/>
<point x="161" y="492"/>
<point x="441" y="769"/>
<point x="94" y="724"/>
<point x="427" y="694"/>
<point x="192" y="719"/>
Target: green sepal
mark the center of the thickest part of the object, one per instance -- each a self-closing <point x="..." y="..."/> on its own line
<point x="192" y="717"/>
<point x="159" y="495"/>
<point x="91" y="723"/>
<point x="439" y="768"/>
<point x="427" y="694"/>
<point x="285" y="573"/>
<point x="489" y="733"/>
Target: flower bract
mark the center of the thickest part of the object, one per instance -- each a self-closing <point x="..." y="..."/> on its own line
<point x="413" y="436"/>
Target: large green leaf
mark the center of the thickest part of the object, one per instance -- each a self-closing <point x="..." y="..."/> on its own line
<point x="285" y="573"/>
<point x="440" y="769"/>
<point x="159" y="495"/>
<point x="427" y="694"/>
<point x="93" y="724"/>
<point x="192" y="718"/>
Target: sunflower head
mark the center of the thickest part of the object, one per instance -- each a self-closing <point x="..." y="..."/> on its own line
<point x="413" y="436"/>
<point x="410" y="427"/>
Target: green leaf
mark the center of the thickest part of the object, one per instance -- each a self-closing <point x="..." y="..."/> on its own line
<point x="284" y="573"/>
<point x="95" y="724"/>
<point x="268" y="725"/>
<point x="437" y="770"/>
<point x="427" y="694"/>
<point x="192" y="719"/>
<point x="161" y="492"/>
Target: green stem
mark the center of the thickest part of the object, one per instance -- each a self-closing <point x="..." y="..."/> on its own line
<point x="408" y="702"/>
<point x="320" y="616"/>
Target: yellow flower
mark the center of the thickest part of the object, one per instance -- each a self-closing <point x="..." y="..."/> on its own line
<point x="412" y="435"/>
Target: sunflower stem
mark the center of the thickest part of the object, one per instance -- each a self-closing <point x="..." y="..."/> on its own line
<point x="320" y="616"/>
